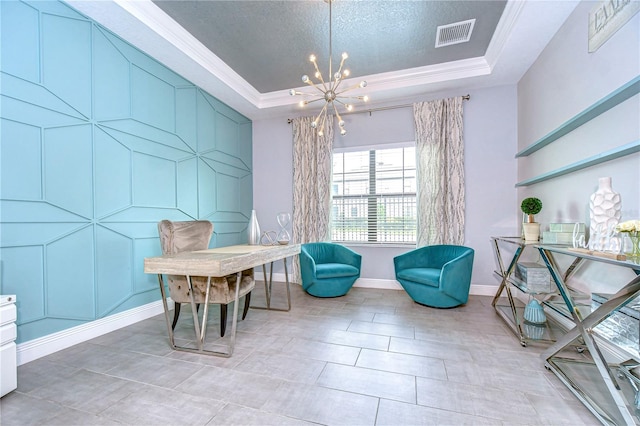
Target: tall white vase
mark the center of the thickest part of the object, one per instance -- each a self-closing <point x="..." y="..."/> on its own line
<point x="253" y="230"/>
<point x="604" y="213"/>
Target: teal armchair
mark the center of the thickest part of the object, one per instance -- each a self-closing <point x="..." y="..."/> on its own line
<point x="437" y="276"/>
<point x="328" y="269"/>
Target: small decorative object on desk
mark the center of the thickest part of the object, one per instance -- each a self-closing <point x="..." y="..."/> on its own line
<point x="604" y="213"/>
<point x="283" y="220"/>
<point x="632" y="230"/>
<point x="253" y="230"/>
<point x="563" y="233"/>
<point x="530" y="207"/>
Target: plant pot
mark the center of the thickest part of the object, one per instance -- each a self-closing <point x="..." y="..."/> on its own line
<point x="531" y="231"/>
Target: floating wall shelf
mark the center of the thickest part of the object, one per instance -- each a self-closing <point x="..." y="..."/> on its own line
<point x="618" y="152"/>
<point x="614" y="98"/>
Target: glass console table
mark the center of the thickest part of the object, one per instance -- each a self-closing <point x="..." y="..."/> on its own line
<point x="606" y="375"/>
<point x="507" y="251"/>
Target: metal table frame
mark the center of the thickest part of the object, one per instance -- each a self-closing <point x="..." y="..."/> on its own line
<point x="505" y="273"/>
<point x="584" y="330"/>
<point x="268" y="288"/>
<point x="218" y="262"/>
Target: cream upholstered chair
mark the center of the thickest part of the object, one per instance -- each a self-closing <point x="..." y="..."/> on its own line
<point x="176" y="237"/>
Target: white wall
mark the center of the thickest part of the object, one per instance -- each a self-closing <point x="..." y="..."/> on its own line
<point x="490" y="145"/>
<point x="564" y="80"/>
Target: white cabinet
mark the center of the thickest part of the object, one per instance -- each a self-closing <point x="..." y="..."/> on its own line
<point x="8" y="365"/>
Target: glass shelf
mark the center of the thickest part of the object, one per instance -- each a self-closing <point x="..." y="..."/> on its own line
<point x="547" y="332"/>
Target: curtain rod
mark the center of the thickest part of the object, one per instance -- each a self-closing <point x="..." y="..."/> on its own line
<point x="465" y="98"/>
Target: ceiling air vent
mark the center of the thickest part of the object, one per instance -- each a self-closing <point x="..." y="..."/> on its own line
<point x="458" y="32"/>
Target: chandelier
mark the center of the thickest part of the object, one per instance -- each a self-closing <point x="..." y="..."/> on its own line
<point x="330" y="91"/>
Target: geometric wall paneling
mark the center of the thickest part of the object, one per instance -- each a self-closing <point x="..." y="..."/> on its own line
<point x="229" y="233"/>
<point x="114" y="269"/>
<point x="154" y="181"/>
<point x="186" y="181"/>
<point x="224" y="109"/>
<point x="111" y="84"/>
<point x="68" y="167"/>
<point x="226" y="135"/>
<point x="245" y="186"/>
<point x="66" y="60"/>
<point x="229" y="227"/>
<point x="33" y="104"/>
<point x="152" y="100"/>
<point x="145" y="247"/>
<point x="22" y="275"/>
<point x="225" y="160"/>
<point x="99" y="143"/>
<point x="208" y="197"/>
<point x="27" y="211"/>
<point x="30" y="234"/>
<point x="20" y="54"/>
<point x="186" y="116"/>
<point x="206" y="124"/>
<point x="229" y="217"/>
<point x="227" y="193"/>
<point x="69" y="276"/>
<point x="21" y="165"/>
<point x="137" y="137"/>
<point x="245" y="132"/>
<point x="112" y="174"/>
<point x="142" y="215"/>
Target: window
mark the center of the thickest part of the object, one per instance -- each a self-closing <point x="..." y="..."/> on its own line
<point x="374" y="196"/>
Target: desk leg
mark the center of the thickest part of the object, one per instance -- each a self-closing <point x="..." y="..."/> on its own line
<point x="268" y="287"/>
<point x="201" y="329"/>
<point x="194" y="311"/>
<point x="234" y="321"/>
<point x="166" y="311"/>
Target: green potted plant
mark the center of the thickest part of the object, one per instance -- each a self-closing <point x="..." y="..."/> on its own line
<point x="531" y="206"/>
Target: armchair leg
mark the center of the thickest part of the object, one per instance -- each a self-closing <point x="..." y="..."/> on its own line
<point x="223" y="319"/>
<point x="247" y="302"/>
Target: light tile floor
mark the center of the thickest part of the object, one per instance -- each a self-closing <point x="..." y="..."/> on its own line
<point x="370" y="357"/>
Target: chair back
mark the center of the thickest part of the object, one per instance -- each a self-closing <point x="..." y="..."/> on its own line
<point x="176" y="237"/>
<point x="321" y="252"/>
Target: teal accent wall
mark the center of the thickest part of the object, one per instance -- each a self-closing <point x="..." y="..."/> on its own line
<point x="99" y="142"/>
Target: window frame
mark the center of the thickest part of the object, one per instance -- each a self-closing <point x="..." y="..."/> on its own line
<point x="373" y="198"/>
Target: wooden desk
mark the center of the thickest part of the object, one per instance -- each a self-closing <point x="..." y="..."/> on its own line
<point x="217" y="262"/>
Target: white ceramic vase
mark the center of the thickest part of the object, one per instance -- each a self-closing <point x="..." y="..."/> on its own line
<point x="253" y="230"/>
<point x="605" y="207"/>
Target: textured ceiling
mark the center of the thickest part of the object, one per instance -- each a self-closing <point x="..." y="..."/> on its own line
<point x="268" y="42"/>
<point x="248" y="54"/>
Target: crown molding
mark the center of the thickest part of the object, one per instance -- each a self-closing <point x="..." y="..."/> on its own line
<point x="503" y="31"/>
<point x="412" y="77"/>
<point x="158" y="21"/>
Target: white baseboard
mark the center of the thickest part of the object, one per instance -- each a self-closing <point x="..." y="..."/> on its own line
<point x="476" y="289"/>
<point x="377" y="283"/>
<point x="46" y="345"/>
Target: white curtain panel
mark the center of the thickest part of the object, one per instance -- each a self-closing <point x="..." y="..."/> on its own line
<point x="440" y="171"/>
<point x="311" y="183"/>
